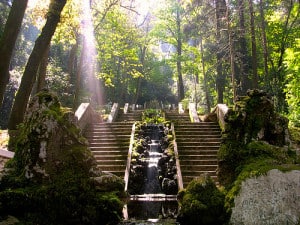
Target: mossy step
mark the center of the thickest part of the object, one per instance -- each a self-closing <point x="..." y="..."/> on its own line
<point x="196" y="173"/>
<point x="196" y="127"/>
<point x="196" y="130"/>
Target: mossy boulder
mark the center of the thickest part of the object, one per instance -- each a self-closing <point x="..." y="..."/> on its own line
<point x="202" y="203"/>
<point x="251" y="122"/>
<point x="254" y="118"/>
<point x="53" y="177"/>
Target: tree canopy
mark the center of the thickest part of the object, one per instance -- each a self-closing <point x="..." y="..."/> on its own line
<point x="203" y="51"/>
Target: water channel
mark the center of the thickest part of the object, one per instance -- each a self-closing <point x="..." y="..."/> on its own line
<point x="152" y="182"/>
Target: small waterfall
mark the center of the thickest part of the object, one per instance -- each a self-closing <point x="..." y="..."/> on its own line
<point x="152" y="182"/>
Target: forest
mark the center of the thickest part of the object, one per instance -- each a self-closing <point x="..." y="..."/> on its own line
<point x="136" y="51"/>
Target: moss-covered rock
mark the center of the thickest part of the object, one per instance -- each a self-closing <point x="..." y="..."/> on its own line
<point x="253" y="118"/>
<point x="253" y="129"/>
<point x="53" y="177"/>
<point x="202" y="203"/>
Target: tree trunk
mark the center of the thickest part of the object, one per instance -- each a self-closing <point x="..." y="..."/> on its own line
<point x="204" y="77"/>
<point x="78" y="81"/>
<point x="232" y="54"/>
<point x="253" y="46"/>
<point x="30" y="73"/>
<point x="41" y="81"/>
<point x="220" y="80"/>
<point x="8" y="40"/>
<point x="139" y="80"/>
<point x="178" y="60"/>
<point x="264" y="40"/>
<point x="244" y="65"/>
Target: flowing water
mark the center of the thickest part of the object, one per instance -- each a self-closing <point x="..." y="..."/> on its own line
<point x="152" y="181"/>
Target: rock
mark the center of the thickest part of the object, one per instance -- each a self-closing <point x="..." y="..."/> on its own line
<point x="169" y="186"/>
<point x="53" y="175"/>
<point x="270" y="199"/>
<point x="254" y="118"/>
<point x="202" y="203"/>
<point x="109" y="181"/>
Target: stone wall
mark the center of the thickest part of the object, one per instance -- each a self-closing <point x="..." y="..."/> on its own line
<point x="270" y="199"/>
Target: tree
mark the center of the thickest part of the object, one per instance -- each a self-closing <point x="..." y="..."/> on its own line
<point x="253" y="46"/>
<point x="119" y="46"/>
<point x="220" y="25"/>
<point x="169" y="30"/>
<point x="30" y="73"/>
<point x="8" y="40"/>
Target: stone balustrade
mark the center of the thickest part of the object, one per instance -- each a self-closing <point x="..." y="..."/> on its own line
<point x="221" y="110"/>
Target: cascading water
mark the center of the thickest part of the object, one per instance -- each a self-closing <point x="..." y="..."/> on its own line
<point x="152" y="183"/>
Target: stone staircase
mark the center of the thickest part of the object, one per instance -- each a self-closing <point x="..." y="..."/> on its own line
<point x="109" y="142"/>
<point x="129" y="116"/>
<point x="198" y="145"/>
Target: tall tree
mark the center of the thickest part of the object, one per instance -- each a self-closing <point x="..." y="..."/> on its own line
<point x="242" y="51"/>
<point x="8" y="40"/>
<point x="253" y="46"/>
<point x="30" y="73"/>
<point x="169" y="32"/>
<point x="220" y="25"/>
<point x="179" y="40"/>
<point x="264" y="39"/>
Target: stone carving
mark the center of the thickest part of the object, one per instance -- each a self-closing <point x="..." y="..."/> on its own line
<point x="271" y="199"/>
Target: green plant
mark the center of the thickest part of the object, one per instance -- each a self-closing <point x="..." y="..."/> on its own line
<point x="202" y="203"/>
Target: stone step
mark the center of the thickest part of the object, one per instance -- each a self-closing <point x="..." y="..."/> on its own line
<point x="112" y="125"/>
<point x="99" y="133"/>
<point x="109" y="151"/>
<point x="203" y="168"/>
<point x="197" y="157"/>
<point x="196" y="141"/>
<point x="110" y="162"/>
<point x="196" y="173"/>
<point x="103" y="157"/>
<point x="111" y="138"/>
<point x="201" y="138"/>
<point x="120" y="173"/>
<point x="199" y="145"/>
<point x="109" y="145"/>
<point x="210" y="151"/>
<point x="187" y="130"/>
<point x="112" y="168"/>
<point x="199" y="162"/>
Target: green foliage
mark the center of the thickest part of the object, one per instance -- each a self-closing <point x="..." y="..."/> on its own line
<point x="202" y="203"/>
<point x="295" y="134"/>
<point x="292" y="89"/>
<point x="58" y="81"/>
<point x="153" y="116"/>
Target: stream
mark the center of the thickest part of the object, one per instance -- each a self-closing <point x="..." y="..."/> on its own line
<point x="152" y="182"/>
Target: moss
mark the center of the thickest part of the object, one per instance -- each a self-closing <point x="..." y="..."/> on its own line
<point x="64" y="189"/>
<point x="202" y="203"/>
<point x="295" y="134"/>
